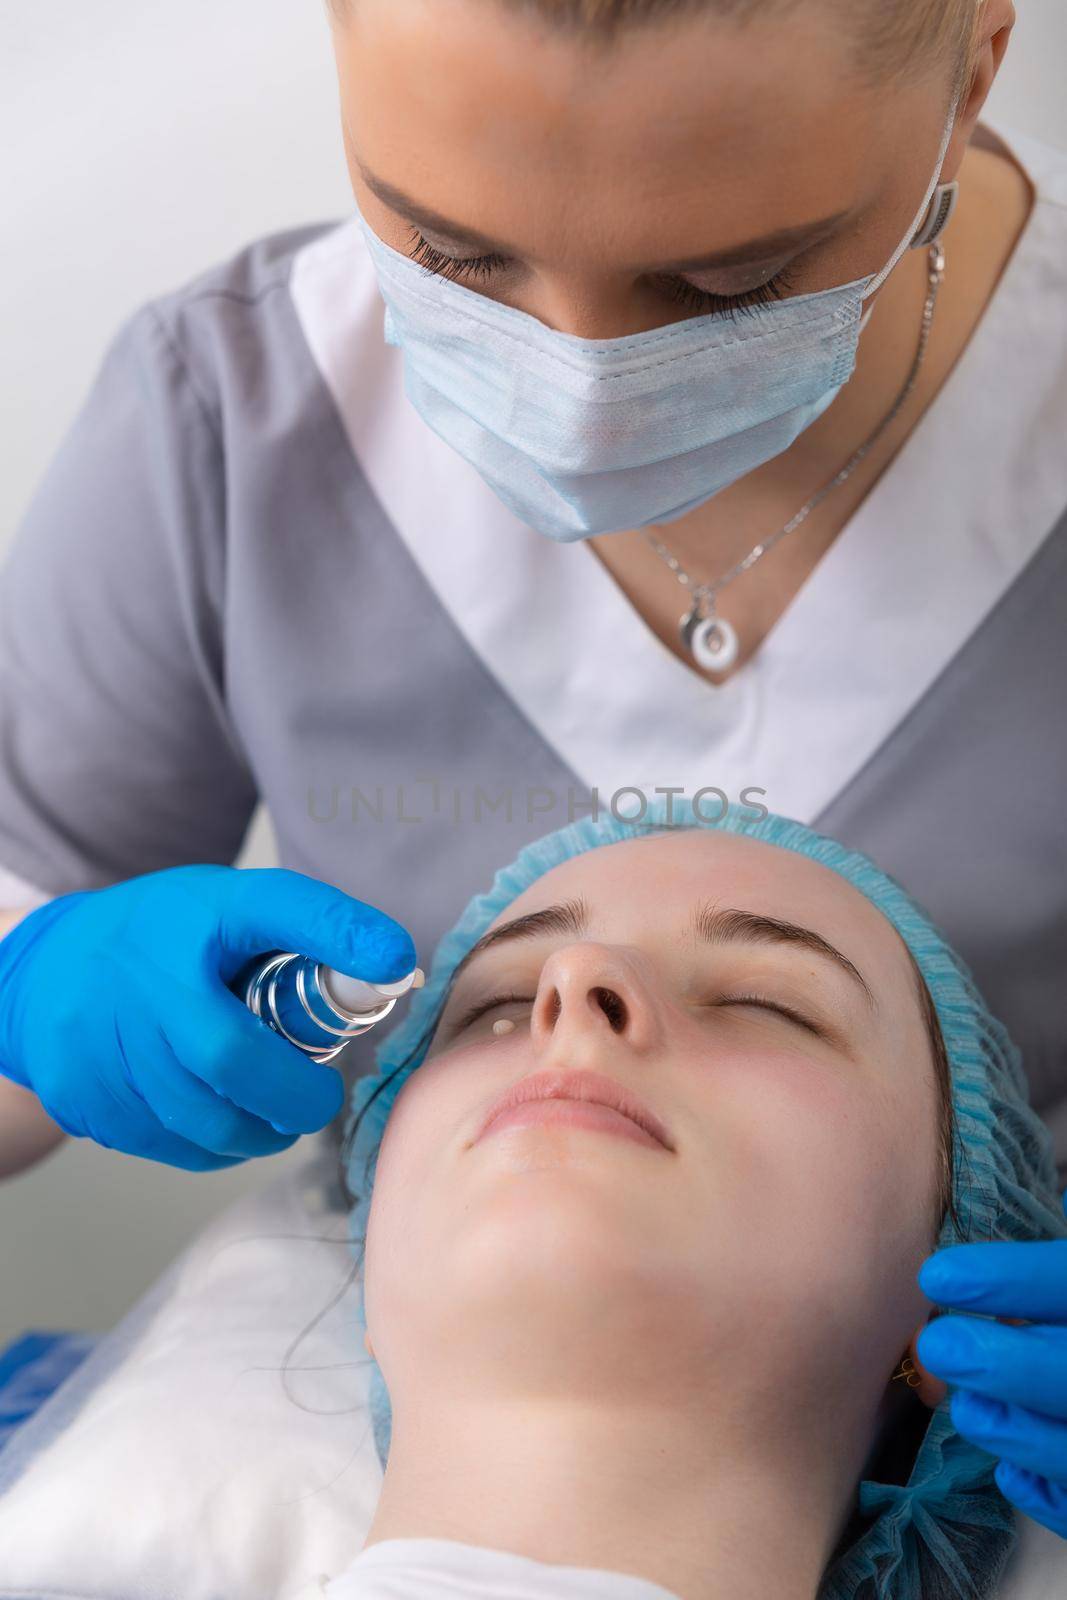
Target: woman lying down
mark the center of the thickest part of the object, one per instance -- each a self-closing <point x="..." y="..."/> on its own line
<point x="645" y="1178"/>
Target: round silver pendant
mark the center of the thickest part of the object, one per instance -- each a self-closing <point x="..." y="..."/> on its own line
<point x="711" y="641"/>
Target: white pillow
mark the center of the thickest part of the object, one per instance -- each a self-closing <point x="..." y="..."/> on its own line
<point x="175" y="1464"/>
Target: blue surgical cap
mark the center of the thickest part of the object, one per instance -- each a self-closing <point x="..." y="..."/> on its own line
<point x="1004" y="1188"/>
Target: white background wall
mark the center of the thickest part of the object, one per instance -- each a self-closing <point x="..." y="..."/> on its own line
<point x="141" y="145"/>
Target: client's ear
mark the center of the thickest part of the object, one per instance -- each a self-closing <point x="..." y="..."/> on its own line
<point x="930" y="1390"/>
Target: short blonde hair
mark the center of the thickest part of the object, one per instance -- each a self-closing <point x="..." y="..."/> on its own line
<point x="891" y="40"/>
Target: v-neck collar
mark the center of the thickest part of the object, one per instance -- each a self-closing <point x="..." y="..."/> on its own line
<point x="950" y="523"/>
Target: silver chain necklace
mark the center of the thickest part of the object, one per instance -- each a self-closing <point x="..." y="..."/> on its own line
<point x="709" y="638"/>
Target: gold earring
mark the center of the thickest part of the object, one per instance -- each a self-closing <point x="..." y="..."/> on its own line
<point x="909" y="1372"/>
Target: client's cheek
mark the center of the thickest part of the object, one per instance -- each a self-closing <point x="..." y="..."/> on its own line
<point x="420" y="1188"/>
<point x="858" y="1182"/>
<point x="404" y="1245"/>
<point x="819" y="1163"/>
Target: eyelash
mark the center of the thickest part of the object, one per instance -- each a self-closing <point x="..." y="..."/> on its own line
<point x="685" y="293"/>
<point x="491" y="1004"/>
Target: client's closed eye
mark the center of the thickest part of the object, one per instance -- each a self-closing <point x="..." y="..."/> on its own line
<point x="491" y="1004"/>
<point x="791" y="1015"/>
<point x="772" y="1005"/>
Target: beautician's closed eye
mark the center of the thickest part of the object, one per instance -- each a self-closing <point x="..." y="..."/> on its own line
<point x="458" y="268"/>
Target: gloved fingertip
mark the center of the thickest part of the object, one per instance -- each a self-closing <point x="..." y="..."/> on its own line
<point x="951" y="1349"/>
<point x="930" y="1347"/>
<point x="386" y="954"/>
<point x="973" y="1412"/>
<point x="1036" y="1497"/>
<point x="937" y="1277"/>
<point x="1015" y="1483"/>
<point x="286" y="1139"/>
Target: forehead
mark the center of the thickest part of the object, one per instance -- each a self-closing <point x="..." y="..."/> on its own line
<point x="646" y="889"/>
<point x="492" y="117"/>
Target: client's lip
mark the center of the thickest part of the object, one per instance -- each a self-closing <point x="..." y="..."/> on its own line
<point x="595" y="1087"/>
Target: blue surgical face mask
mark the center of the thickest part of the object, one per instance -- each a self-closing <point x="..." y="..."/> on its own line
<point x="587" y="436"/>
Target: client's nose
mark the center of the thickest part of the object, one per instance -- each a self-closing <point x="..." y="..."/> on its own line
<point x="591" y="997"/>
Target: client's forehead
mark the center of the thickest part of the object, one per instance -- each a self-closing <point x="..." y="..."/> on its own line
<point x="650" y="887"/>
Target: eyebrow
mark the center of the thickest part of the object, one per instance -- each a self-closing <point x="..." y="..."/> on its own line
<point x="754" y="251"/>
<point x="710" y="924"/>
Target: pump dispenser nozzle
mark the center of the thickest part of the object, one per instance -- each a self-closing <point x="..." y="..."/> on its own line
<point x="316" y="1007"/>
<point x="356" y="996"/>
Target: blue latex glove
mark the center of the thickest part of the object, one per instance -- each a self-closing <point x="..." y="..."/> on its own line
<point x="114" y="1009"/>
<point x="1008" y="1385"/>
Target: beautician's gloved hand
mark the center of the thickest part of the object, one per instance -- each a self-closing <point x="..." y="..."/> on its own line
<point x="114" y="1009"/>
<point x="1008" y="1385"/>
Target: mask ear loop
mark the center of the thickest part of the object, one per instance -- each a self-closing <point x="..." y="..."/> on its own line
<point x="930" y="221"/>
<point x="935" y="201"/>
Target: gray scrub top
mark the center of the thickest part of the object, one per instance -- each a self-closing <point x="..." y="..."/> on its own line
<point x="253" y="572"/>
